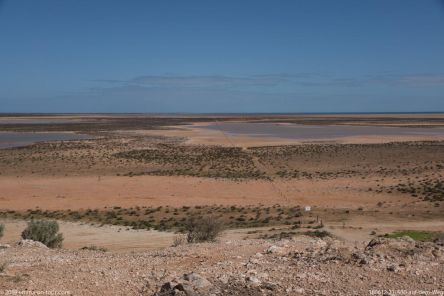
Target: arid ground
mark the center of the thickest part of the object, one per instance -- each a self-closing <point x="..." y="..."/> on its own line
<point x="134" y="181"/>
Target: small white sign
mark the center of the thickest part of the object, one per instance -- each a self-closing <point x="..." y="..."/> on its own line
<point x="307" y="208"/>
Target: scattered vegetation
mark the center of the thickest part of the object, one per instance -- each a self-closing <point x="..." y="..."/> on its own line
<point x="194" y="160"/>
<point x="428" y="189"/>
<point x="326" y="161"/>
<point x="45" y="232"/>
<point x="94" y="248"/>
<point x="418" y="235"/>
<point x="288" y="233"/>
<point x="279" y="235"/>
<point x="171" y="218"/>
<point x="317" y="233"/>
<point x="130" y="154"/>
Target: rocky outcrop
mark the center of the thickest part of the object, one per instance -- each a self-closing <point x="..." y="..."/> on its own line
<point x="27" y="243"/>
<point x="190" y="284"/>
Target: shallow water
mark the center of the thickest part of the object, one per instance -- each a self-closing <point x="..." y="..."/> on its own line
<point x="9" y="120"/>
<point x="19" y="139"/>
<point x="316" y="132"/>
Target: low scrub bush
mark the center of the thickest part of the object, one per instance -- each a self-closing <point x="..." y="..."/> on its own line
<point x="317" y="233"/>
<point x="45" y="232"/>
<point x="203" y="230"/>
<point x="417" y="235"/>
<point x="2" y="230"/>
<point x="94" y="248"/>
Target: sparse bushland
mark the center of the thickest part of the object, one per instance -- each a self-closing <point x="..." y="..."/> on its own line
<point x="197" y="161"/>
<point x="170" y="218"/>
<point x="206" y="229"/>
<point x="45" y="232"/>
<point x="427" y="189"/>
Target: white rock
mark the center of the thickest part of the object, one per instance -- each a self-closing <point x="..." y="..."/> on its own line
<point x="275" y="250"/>
<point x="197" y="281"/>
<point x="31" y="244"/>
<point x="224" y="279"/>
<point x="254" y="281"/>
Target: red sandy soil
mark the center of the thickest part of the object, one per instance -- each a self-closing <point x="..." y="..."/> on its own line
<point x="97" y="192"/>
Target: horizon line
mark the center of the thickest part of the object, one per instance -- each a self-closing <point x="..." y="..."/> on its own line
<point x="219" y="113"/>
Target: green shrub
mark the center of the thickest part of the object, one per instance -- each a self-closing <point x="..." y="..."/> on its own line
<point x="2" y="230"/>
<point x="203" y="230"/>
<point x="45" y="232"/>
<point x="417" y="235"/>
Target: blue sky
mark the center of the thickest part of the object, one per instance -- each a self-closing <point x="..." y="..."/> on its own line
<point x="221" y="56"/>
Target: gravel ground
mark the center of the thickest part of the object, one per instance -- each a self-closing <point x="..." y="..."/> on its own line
<point x="299" y="266"/>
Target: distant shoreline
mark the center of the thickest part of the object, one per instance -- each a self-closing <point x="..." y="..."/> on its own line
<point x="37" y="114"/>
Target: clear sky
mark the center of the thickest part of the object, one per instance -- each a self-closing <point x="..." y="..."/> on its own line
<point x="221" y="56"/>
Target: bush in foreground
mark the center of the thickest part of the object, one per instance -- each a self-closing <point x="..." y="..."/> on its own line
<point x="206" y="229"/>
<point x="45" y="232"/>
<point x="2" y="230"/>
